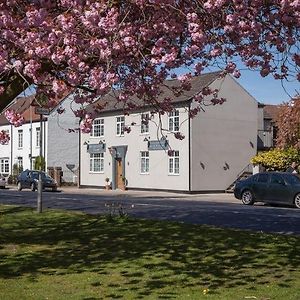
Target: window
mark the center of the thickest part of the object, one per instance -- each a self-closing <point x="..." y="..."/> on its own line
<point x="262" y="178"/>
<point x="277" y="179"/>
<point x="174" y="120"/>
<point x="4" y="165"/>
<point x="20" y="139"/>
<point x="20" y="162"/>
<point x="144" y="162"/>
<point x="120" y="125"/>
<point x="97" y="162"/>
<point x="174" y="163"/>
<point x="98" y="128"/>
<point x="37" y="137"/>
<point x="145" y="123"/>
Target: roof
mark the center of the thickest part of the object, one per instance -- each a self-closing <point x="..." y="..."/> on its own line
<point x="22" y="106"/>
<point x="271" y="111"/>
<point x="110" y="103"/>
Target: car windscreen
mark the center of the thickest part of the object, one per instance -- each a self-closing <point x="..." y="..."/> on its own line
<point x="35" y="175"/>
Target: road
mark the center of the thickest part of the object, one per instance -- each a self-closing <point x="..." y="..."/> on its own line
<point x="221" y="210"/>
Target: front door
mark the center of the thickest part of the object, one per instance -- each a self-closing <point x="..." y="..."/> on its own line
<point x="119" y="174"/>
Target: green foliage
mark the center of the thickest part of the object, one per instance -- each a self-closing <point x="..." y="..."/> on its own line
<point x="16" y="169"/>
<point x="39" y="163"/>
<point x="277" y="159"/>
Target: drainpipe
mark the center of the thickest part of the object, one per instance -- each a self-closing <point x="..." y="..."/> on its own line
<point x="11" y="149"/>
<point x="189" y="139"/>
<point x="79" y="157"/>
<point x="30" y="167"/>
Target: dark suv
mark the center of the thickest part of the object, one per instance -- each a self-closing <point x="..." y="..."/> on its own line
<point x="29" y="179"/>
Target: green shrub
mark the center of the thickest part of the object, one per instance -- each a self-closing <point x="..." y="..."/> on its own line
<point x="39" y="163"/>
<point x="276" y="159"/>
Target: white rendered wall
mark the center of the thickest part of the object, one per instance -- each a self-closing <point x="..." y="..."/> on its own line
<point x="158" y="177"/>
<point x="224" y="138"/>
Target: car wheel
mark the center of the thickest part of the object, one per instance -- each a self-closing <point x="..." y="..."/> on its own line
<point x="32" y="187"/>
<point x="54" y="189"/>
<point x="247" y="197"/>
<point x="19" y="186"/>
<point x="297" y="200"/>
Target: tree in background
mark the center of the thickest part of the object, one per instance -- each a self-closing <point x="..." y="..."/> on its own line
<point x="128" y="48"/>
<point x="288" y="124"/>
<point x="39" y="163"/>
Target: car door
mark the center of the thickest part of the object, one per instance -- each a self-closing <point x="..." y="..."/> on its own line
<point x="278" y="190"/>
<point x="260" y="186"/>
<point x="27" y="180"/>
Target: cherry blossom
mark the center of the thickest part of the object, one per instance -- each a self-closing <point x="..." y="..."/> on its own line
<point x="128" y="48"/>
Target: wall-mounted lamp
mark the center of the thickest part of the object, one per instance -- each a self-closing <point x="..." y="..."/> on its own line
<point x="146" y="139"/>
<point x="226" y="166"/>
<point x="85" y="143"/>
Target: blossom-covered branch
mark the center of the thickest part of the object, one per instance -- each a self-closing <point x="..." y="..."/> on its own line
<point x="133" y="46"/>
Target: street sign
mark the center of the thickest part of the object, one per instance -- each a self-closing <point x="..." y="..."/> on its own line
<point x="42" y="110"/>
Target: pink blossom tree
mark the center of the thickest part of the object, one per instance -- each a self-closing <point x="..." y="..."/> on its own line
<point x="128" y="48"/>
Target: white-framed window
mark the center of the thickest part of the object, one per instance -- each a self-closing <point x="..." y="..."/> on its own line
<point x="145" y="123"/>
<point x="4" y="165"/>
<point x="97" y="162"/>
<point x="20" y="138"/>
<point x="120" y="125"/>
<point x="98" y="128"/>
<point x="37" y="136"/>
<point x="144" y="162"/>
<point x="20" y="162"/>
<point x="174" y="163"/>
<point x="174" y="120"/>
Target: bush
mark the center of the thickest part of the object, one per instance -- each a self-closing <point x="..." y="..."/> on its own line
<point x="276" y="159"/>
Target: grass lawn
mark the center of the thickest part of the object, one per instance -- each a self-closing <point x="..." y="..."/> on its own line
<point x="66" y="255"/>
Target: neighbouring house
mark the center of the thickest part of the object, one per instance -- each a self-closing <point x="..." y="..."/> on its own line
<point x="219" y="142"/>
<point x="267" y="130"/>
<point x="63" y="144"/>
<point x="59" y="146"/>
<point x="24" y="144"/>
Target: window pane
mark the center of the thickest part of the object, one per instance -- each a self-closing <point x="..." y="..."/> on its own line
<point x="262" y="178"/>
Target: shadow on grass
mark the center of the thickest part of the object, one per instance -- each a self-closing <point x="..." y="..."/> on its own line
<point x="148" y="255"/>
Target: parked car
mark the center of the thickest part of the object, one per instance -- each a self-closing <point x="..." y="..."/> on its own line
<point x="2" y="182"/>
<point x="269" y="187"/>
<point x="29" y="179"/>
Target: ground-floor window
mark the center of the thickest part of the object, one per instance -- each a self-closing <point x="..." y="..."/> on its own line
<point x="174" y="163"/>
<point x="97" y="162"/>
<point x="144" y="162"/>
<point x="4" y="165"/>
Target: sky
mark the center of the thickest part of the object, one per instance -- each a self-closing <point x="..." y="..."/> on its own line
<point x="266" y="89"/>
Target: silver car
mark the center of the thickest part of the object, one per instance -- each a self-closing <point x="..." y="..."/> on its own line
<point x="2" y="182"/>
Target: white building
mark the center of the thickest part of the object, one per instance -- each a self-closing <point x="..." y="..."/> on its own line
<point x="218" y="143"/>
<point x="24" y="144"/>
<point x="59" y="146"/>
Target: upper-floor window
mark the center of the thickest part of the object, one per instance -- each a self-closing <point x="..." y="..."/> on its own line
<point x="98" y="128"/>
<point x="145" y="123"/>
<point x="144" y="162"/>
<point x="97" y="162"/>
<point x="174" y="163"/>
<point x="20" y="139"/>
<point x="120" y="125"/>
<point x="4" y="165"/>
<point x="37" y="137"/>
<point x="174" y="120"/>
